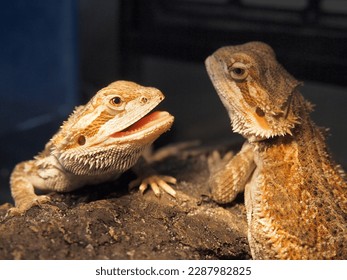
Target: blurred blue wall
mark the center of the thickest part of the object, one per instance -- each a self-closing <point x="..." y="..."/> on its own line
<point x="38" y="76"/>
<point x="37" y="60"/>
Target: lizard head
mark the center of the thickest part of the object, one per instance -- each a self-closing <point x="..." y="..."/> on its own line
<point x="118" y="118"/>
<point x="255" y="89"/>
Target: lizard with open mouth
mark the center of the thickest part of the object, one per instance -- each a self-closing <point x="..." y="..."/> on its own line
<point x="98" y="142"/>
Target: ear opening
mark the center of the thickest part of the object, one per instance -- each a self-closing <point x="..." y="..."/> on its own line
<point x="287" y="105"/>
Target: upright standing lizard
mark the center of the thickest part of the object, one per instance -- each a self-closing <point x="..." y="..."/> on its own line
<point x="295" y="195"/>
<point x="97" y="143"/>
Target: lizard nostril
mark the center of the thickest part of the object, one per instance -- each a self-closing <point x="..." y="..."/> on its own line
<point x="144" y="100"/>
<point x="81" y="140"/>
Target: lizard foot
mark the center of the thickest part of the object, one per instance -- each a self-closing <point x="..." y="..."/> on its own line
<point x="25" y="205"/>
<point x="157" y="183"/>
<point x="216" y="162"/>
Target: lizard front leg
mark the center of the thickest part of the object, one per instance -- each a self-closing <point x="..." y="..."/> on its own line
<point x="230" y="179"/>
<point x="43" y="173"/>
<point x="147" y="176"/>
<point x="22" y="187"/>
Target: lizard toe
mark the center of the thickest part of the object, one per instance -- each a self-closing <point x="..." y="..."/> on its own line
<point x="158" y="184"/>
<point x="216" y="162"/>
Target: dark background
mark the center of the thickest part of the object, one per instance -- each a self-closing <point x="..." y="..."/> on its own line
<point x="56" y="54"/>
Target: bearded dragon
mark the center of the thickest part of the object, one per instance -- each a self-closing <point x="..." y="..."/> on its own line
<point x="97" y="143"/>
<point x="295" y="195"/>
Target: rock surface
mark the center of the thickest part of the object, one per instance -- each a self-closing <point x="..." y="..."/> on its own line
<point x="109" y="222"/>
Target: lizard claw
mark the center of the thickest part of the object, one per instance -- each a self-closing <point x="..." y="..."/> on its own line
<point x="157" y="183"/>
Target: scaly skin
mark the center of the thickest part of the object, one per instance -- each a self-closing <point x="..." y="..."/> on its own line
<point x="295" y="195"/>
<point x="97" y="143"/>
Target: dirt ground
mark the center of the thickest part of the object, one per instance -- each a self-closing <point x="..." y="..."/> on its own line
<point x="109" y="222"/>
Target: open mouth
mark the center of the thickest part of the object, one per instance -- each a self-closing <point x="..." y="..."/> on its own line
<point x="156" y="119"/>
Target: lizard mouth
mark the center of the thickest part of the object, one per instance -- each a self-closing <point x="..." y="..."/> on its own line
<point x="158" y="121"/>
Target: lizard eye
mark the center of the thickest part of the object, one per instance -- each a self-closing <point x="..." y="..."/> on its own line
<point x="116" y="101"/>
<point x="115" y="104"/>
<point x="238" y="71"/>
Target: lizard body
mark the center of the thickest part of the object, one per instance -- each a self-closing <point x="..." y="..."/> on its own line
<point x="98" y="142"/>
<point x="295" y="195"/>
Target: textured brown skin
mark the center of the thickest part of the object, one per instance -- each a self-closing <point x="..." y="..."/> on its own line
<point x="295" y="195"/>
